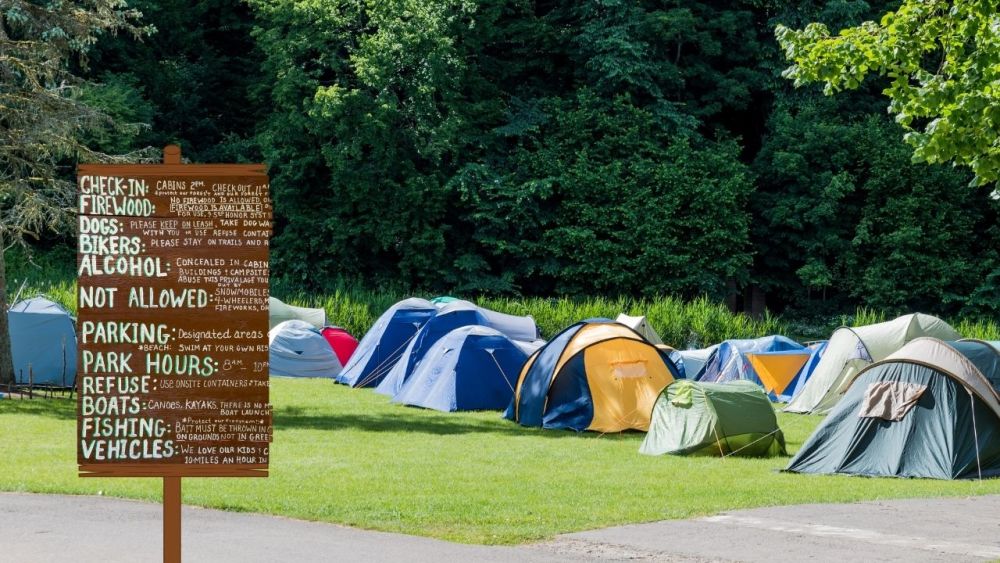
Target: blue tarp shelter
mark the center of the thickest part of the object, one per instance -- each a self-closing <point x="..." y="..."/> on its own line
<point x="470" y="368"/>
<point x="453" y="315"/>
<point x="297" y="349"/>
<point x="385" y="342"/>
<point x="42" y="339"/>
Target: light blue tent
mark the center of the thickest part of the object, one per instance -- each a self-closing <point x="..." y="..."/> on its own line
<point x="729" y="361"/>
<point x="453" y="315"/>
<point x="470" y="368"/>
<point x="385" y="342"/>
<point x="297" y="349"/>
<point x="692" y="361"/>
<point x="42" y="340"/>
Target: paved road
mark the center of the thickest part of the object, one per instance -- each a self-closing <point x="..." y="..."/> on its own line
<point x="48" y="528"/>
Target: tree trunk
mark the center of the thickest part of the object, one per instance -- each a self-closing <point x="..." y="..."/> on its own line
<point x="6" y="361"/>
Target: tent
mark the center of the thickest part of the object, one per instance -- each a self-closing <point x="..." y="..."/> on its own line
<point x="693" y="361"/>
<point x="515" y="327"/>
<point x="453" y="315"/>
<point x="299" y="350"/>
<point x="851" y="349"/>
<point x="816" y="350"/>
<point x="279" y="312"/>
<point x="988" y="361"/>
<point x="640" y="325"/>
<point x="595" y="375"/>
<point x="442" y="300"/>
<point x="717" y="419"/>
<point x="382" y="345"/>
<point x="470" y="368"/>
<point x="927" y="410"/>
<point x="42" y="341"/>
<point x="341" y="341"/>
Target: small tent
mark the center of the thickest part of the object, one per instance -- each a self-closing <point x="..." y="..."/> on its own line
<point x="693" y="361"/>
<point x="341" y="341"/>
<point x="771" y="361"/>
<point x="596" y="375"/>
<point x="640" y="325"/>
<point x="715" y="419"/>
<point x="279" y="312"/>
<point x="453" y="315"/>
<point x="470" y="368"/>
<point x="852" y="348"/>
<point x="385" y="341"/>
<point x="42" y="343"/>
<point x="297" y="349"/>
<point x="927" y="410"/>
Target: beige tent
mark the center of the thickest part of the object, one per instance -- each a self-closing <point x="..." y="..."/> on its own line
<point x="280" y="312"/>
<point x="851" y="349"/>
<point x="640" y="325"/>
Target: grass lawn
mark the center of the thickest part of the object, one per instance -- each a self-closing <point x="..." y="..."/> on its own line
<point x="349" y="457"/>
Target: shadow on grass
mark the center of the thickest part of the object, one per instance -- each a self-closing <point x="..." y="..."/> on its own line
<point x="62" y="409"/>
<point x="421" y="421"/>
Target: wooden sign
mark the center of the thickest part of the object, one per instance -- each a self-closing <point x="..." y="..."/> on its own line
<point x="172" y="320"/>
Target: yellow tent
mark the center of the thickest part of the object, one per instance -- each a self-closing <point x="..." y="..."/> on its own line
<point x="777" y="369"/>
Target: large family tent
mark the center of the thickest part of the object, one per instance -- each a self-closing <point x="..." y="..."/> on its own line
<point x="771" y="361"/>
<point x="716" y="419"/>
<point x="453" y="315"/>
<point x="279" y="312"/>
<point x="816" y="351"/>
<point x="640" y="325"/>
<point x="925" y="411"/>
<point x="384" y="343"/>
<point x="299" y="350"/>
<point x="42" y="343"/>
<point x="852" y="349"/>
<point x="470" y="368"/>
<point x="596" y="375"/>
<point x="341" y="341"/>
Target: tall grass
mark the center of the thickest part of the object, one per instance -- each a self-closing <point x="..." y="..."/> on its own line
<point x="682" y="324"/>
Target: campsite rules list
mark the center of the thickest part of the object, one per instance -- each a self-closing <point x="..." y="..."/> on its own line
<point x="172" y="322"/>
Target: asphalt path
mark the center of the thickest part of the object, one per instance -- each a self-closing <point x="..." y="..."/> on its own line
<point x="47" y="528"/>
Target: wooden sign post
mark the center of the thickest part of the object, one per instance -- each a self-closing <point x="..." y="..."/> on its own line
<point x="172" y="275"/>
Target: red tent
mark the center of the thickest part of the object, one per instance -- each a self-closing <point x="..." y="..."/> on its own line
<point x="341" y="341"/>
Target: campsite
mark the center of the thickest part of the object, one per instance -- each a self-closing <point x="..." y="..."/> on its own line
<point x="494" y="280"/>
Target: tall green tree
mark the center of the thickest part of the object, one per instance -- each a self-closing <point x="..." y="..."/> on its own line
<point x="943" y="61"/>
<point x="43" y="120"/>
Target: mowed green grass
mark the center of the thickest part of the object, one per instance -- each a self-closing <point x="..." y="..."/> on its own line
<point x="350" y="457"/>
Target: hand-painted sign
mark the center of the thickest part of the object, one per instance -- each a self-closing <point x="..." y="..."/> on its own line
<point x="172" y="320"/>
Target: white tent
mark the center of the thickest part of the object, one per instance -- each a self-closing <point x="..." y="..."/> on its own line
<point x="279" y="312"/>
<point x="299" y="350"/>
<point x="640" y="325"/>
<point x="851" y="349"/>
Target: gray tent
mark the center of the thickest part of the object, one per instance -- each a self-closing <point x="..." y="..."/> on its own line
<point x="852" y="348"/>
<point x="928" y="410"/>
<point x="279" y="312"/>
<point x="298" y="349"/>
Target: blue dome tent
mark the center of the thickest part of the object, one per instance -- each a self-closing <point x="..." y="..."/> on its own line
<point x="385" y="342"/>
<point x="470" y="368"/>
<point x="453" y="315"/>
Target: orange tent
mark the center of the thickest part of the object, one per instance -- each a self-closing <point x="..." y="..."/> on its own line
<point x="777" y="369"/>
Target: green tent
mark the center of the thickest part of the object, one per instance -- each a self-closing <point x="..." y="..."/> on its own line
<point x="928" y="410"/>
<point x="720" y="419"/>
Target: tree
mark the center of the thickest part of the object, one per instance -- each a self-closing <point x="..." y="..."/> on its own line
<point x="943" y="60"/>
<point x="42" y="120"/>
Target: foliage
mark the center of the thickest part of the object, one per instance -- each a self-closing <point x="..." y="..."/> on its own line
<point x="942" y="61"/>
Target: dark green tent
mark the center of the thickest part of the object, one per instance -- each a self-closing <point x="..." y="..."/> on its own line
<point x="928" y="410"/>
<point x="720" y="419"/>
